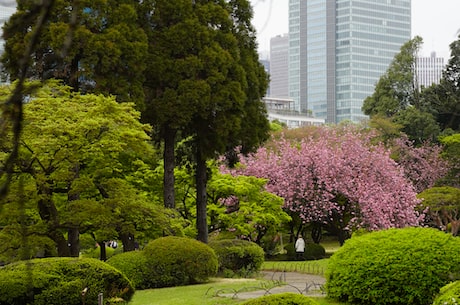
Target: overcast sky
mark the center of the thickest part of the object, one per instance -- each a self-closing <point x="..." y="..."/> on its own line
<point x="436" y="21"/>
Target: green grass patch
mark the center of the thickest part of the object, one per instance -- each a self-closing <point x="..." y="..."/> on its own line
<point x="309" y="267"/>
<point x="202" y="294"/>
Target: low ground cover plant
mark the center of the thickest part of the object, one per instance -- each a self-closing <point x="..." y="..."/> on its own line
<point x="237" y="257"/>
<point x="62" y="280"/>
<point x="393" y="267"/>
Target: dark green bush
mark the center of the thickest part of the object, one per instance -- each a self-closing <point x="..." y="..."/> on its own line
<point x="449" y="294"/>
<point x="393" y="267"/>
<point x="238" y="257"/>
<point x="282" y="299"/>
<point x="290" y="251"/>
<point x="57" y="281"/>
<point x="314" y="251"/>
<point x="175" y="261"/>
<point x="133" y="264"/>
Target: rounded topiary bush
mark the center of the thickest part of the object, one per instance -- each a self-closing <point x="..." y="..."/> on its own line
<point x="314" y="251"/>
<point x="395" y="266"/>
<point x="175" y="261"/>
<point x="449" y="294"/>
<point x="133" y="264"/>
<point x="57" y="281"/>
<point x="282" y="299"/>
<point x="239" y="257"/>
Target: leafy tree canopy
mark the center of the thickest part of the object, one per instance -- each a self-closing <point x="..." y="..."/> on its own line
<point x="78" y="155"/>
<point x="93" y="46"/>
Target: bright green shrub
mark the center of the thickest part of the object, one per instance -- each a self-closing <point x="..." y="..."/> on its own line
<point x="282" y="299"/>
<point x="57" y="281"/>
<point x="175" y="261"/>
<point x="314" y="251"/>
<point x="240" y="257"/>
<point x="133" y="264"/>
<point x="393" y="267"/>
<point x="449" y="294"/>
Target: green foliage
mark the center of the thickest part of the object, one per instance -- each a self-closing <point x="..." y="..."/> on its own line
<point x="80" y="165"/>
<point x="104" y="51"/>
<point x="239" y="257"/>
<point x="132" y="264"/>
<point x="282" y="299"/>
<point x="443" y="206"/>
<point x="393" y="267"/>
<point x="449" y="294"/>
<point x="242" y="206"/>
<point x="451" y="153"/>
<point x="175" y="261"/>
<point x="96" y="252"/>
<point x="314" y="251"/>
<point x="57" y="281"/>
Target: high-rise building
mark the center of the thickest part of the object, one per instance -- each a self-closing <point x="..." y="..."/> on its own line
<point x="279" y="66"/>
<point x="429" y="70"/>
<point x="338" y="49"/>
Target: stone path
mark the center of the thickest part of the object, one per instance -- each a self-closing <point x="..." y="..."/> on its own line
<point x="306" y="284"/>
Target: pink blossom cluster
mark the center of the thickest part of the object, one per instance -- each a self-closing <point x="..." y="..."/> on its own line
<point x="310" y="174"/>
<point x="422" y="165"/>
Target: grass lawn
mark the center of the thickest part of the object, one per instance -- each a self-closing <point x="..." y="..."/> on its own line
<point x="309" y="267"/>
<point x="203" y="294"/>
<point x="207" y="294"/>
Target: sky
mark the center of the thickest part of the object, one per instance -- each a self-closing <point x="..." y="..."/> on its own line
<point x="436" y="21"/>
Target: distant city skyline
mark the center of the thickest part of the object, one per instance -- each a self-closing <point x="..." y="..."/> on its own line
<point x="437" y="22"/>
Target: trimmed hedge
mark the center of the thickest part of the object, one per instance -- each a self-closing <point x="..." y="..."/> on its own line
<point x="314" y="251"/>
<point x="133" y="264"/>
<point x="238" y="257"/>
<point x="393" y="267"/>
<point x="282" y="299"/>
<point x="176" y="261"/>
<point x="57" y="281"/>
<point x="449" y="294"/>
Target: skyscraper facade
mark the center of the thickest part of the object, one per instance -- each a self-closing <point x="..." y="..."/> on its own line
<point x="338" y="49"/>
<point x="429" y="70"/>
<point x="279" y="63"/>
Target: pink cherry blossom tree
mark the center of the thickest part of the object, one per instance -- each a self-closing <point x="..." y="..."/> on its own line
<point x="422" y="165"/>
<point x="336" y="178"/>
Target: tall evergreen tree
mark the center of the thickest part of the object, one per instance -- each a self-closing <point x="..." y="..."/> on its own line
<point x="93" y="46"/>
<point x="204" y="81"/>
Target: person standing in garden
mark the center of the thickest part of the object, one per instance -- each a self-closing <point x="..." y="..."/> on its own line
<point x="300" y="248"/>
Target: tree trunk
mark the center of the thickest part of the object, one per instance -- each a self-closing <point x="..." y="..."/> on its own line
<point x="201" y="198"/>
<point x="74" y="242"/>
<point x="316" y="232"/>
<point x="127" y="240"/>
<point x="103" y="254"/>
<point x="169" y="164"/>
<point x="48" y="213"/>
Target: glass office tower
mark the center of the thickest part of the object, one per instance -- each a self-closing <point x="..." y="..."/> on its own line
<point x="338" y="51"/>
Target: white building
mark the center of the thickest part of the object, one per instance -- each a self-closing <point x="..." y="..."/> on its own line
<point x="279" y="66"/>
<point x="282" y="110"/>
<point x="429" y="70"/>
